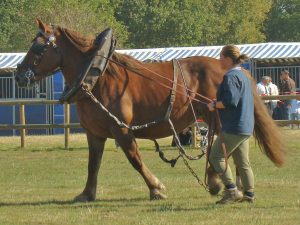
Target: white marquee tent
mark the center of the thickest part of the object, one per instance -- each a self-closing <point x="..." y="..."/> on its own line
<point x="267" y="52"/>
<point x="265" y="58"/>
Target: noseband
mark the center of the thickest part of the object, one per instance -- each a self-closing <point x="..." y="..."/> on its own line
<point x="39" y="50"/>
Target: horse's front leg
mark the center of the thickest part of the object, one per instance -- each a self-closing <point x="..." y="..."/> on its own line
<point x="126" y="140"/>
<point x="96" y="147"/>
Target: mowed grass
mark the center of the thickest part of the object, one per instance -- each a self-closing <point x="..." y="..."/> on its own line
<point x="38" y="183"/>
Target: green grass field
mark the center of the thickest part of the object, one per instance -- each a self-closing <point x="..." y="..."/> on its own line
<point x="38" y="183"/>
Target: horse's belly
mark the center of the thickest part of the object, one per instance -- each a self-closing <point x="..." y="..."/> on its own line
<point x="155" y="132"/>
<point x="163" y="130"/>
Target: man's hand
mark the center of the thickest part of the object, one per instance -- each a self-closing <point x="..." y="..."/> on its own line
<point x="211" y="106"/>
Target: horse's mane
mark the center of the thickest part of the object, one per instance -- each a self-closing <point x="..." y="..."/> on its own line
<point x="84" y="44"/>
<point x="127" y="61"/>
<point x="87" y="45"/>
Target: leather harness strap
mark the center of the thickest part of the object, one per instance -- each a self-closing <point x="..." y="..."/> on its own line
<point x="93" y="70"/>
<point x="173" y="91"/>
<point x="84" y="84"/>
<point x="166" y="118"/>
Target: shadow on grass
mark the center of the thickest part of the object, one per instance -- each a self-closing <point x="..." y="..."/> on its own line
<point x="59" y="149"/>
<point x="208" y="207"/>
<point x="11" y="149"/>
<point x="125" y="201"/>
<point x="41" y="149"/>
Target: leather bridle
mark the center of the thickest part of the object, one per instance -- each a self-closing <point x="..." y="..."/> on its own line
<point x="38" y="49"/>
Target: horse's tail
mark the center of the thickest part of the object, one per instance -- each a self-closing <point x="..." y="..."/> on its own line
<point x="267" y="133"/>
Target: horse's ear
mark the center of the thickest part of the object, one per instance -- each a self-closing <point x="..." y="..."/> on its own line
<point x="40" y="24"/>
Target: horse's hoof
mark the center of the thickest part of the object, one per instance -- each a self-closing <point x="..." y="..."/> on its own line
<point x="214" y="190"/>
<point x="84" y="198"/>
<point x="214" y="182"/>
<point x="214" y="185"/>
<point x="156" y="195"/>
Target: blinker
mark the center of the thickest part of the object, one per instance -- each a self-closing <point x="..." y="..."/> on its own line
<point x="38" y="48"/>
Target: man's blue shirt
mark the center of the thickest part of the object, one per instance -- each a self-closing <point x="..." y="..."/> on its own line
<point x="236" y="94"/>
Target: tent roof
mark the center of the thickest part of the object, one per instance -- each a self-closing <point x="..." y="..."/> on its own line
<point x="262" y="51"/>
<point x="289" y="51"/>
<point x="9" y="61"/>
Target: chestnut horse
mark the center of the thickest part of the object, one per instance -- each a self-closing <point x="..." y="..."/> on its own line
<point x="134" y="99"/>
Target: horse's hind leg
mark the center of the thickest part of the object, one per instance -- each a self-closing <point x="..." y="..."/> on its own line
<point x="96" y="147"/>
<point x="127" y="142"/>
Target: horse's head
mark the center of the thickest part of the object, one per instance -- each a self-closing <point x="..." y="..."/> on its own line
<point x="42" y="58"/>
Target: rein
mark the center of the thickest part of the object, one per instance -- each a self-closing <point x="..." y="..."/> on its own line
<point x="86" y="89"/>
<point x="166" y="118"/>
<point x="206" y="100"/>
<point x="182" y="152"/>
<point x="39" y="50"/>
<point x="211" y="125"/>
<point x="86" y="82"/>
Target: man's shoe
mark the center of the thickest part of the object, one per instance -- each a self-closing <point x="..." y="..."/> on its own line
<point x="247" y="198"/>
<point x="230" y="196"/>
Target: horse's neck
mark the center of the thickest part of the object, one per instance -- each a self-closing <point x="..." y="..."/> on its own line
<point x="73" y="64"/>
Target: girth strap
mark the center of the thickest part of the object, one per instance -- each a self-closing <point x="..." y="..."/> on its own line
<point x="173" y="91"/>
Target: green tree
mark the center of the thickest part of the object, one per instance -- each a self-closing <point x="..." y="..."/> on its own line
<point x="9" y="18"/>
<point x="86" y="17"/>
<point x="283" y="22"/>
<point x="234" y="21"/>
<point x="156" y="23"/>
<point x="148" y="23"/>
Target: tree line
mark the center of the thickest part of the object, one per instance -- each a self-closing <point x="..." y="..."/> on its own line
<point x="155" y="23"/>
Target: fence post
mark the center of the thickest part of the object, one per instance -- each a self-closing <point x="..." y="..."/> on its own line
<point x="194" y="135"/>
<point x="22" y="122"/>
<point x="67" y="122"/>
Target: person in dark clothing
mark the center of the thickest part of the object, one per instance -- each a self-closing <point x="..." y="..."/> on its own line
<point x="185" y="137"/>
<point x="286" y="87"/>
<point x="279" y="111"/>
<point x="286" y="84"/>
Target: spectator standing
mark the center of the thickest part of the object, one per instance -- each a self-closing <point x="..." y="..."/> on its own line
<point x="278" y="112"/>
<point x="185" y="137"/>
<point x="262" y="89"/>
<point x="286" y="86"/>
<point x="273" y="90"/>
<point x="295" y="112"/>
<point x="286" y="83"/>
